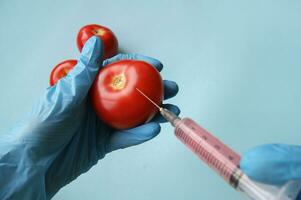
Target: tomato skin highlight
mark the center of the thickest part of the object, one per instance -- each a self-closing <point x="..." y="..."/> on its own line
<point x="105" y="34"/>
<point x="61" y="70"/>
<point x="115" y="98"/>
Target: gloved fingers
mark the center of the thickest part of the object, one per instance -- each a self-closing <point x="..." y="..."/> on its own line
<point x="173" y="108"/>
<point x="75" y="86"/>
<point x="134" y="56"/>
<point x="273" y="163"/>
<point x="171" y="88"/>
<point x="125" y="138"/>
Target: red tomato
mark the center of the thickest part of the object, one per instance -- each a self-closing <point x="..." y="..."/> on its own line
<point x="61" y="70"/>
<point x="106" y="35"/>
<point x="115" y="98"/>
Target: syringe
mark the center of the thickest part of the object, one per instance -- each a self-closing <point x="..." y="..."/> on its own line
<point x="223" y="160"/>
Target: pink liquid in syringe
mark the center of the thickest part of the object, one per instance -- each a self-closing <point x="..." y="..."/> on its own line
<point x="210" y="149"/>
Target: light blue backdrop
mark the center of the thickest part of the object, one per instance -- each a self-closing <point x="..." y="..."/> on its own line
<point x="237" y="63"/>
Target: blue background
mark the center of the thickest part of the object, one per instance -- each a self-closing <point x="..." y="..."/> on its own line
<point x="237" y="63"/>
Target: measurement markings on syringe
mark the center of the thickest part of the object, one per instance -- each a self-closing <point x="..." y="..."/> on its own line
<point x="206" y="152"/>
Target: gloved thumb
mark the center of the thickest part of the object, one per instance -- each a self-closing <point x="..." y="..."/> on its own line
<point x="273" y="163"/>
<point x="75" y="86"/>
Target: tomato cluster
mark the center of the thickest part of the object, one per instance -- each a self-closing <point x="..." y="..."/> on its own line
<point x="110" y="48"/>
<point x="114" y="93"/>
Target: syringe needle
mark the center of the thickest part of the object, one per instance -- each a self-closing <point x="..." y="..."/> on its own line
<point x="168" y="115"/>
<point x="149" y="99"/>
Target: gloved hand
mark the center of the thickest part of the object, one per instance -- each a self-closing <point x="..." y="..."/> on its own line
<point x="62" y="137"/>
<point x="273" y="164"/>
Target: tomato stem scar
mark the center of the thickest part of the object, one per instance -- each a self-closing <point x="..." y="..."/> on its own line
<point x="118" y="82"/>
<point x="98" y="32"/>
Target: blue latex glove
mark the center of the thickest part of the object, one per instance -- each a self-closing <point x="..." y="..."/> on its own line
<point x="62" y="137"/>
<point x="273" y="164"/>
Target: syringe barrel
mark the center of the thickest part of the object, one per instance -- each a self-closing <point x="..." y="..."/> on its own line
<point x="211" y="150"/>
<point x="223" y="160"/>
